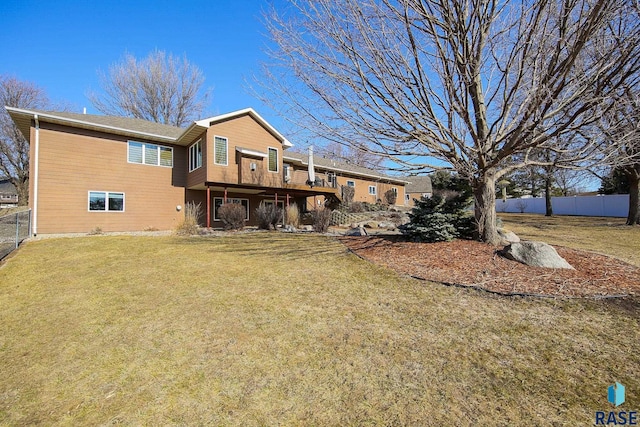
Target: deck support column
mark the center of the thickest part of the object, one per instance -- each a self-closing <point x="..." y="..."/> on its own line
<point x="225" y="196"/>
<point x="208" y="207"/>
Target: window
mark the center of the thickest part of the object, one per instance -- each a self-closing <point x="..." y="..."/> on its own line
<point x="195" y="156"/>
<point x="395" y="191"/>
<point x="331" y="178"/>
<point x="104" y="201"/>
<point x="372" y="190"/>
<point x="218" y="201"/>
<point x="273" y="159"/>
<point x="287" y="172"/>
<point x="351" y="183"/>
<point x="150" y="154"/>
<point x="220" y="151"/>
<point x="407" y="197"/>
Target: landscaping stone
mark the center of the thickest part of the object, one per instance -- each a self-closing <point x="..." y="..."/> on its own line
<point x="371" y="224"/>
<point x="536" y="254"/>
<point x="508" y="236"/>
<point x="357" y="231"/>
<point x="387" y="225"/>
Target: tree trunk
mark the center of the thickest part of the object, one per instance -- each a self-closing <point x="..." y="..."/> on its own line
<point x="22" y="189"/>
<point x="634" y="199"/>
<point x="484" y="192"/>
<point x="547" y="196"/>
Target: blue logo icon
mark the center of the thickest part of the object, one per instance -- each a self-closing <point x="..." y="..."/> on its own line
<point x="616" y="394"/>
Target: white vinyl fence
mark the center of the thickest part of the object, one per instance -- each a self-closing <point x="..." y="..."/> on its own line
<point x="615" y="205"/>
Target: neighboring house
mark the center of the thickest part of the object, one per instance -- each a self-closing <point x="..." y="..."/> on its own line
<point x="8" y="194"/>
<point x="124" y="174"/>
<point x="418" y="186"/>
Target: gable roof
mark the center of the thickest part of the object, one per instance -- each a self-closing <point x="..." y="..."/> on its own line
<point x="419" y="184"/>
<point x="132" y="127"/>
<point x="339" y="166"/>
<point x="6" y="187"/>
<point x="245" y="112"/>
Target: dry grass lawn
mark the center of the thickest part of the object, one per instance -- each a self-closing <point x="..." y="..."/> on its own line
<point x="268" y="328"/>
<point x="609" y="236"/>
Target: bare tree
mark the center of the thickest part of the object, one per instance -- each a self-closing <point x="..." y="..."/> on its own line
<point x="352" y="155"/>
<point x="160" y="88"/>
<point x="14" y="148"/>
<point x="621" y="127"/>
<point x="464" y="83"/>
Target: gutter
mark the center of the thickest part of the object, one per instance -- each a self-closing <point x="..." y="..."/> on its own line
<point x="35" y="175"/>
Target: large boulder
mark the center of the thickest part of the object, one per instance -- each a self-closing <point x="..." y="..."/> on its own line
<point x="507" y="236"/>
<point x="536" y="254"/>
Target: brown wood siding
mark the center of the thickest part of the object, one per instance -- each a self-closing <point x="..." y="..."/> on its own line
<point x="74" y="162"/>
<point x="198" y="176"/>
<point x="243" y="132"/>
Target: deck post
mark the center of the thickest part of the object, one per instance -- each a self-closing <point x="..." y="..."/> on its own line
<point x="208" y="207"/>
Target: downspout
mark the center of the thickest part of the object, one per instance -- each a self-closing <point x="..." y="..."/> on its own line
<point x="35" y="175"/>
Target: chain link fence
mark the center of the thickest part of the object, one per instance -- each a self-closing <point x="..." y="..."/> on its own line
<point x="14" y="228"/>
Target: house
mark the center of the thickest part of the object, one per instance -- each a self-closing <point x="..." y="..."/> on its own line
<point x="125" y="174"/>
<point x="418" y="187"/>
<point x="8" y="193"/>
<point x="369" y="185"/>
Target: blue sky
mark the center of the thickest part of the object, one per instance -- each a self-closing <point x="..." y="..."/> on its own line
<point x="61" y="45"/>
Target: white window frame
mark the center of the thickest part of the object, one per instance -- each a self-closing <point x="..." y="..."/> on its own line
<point x="287" y="172"/>
<point x="229" y="200"/>
<point x="226" y="142"/>
<point x="351" y="183"/>
<point x="195" y="150"/>
<point x="331" y="178"/>
<point x="148" y="146"/>
<point x="374" y="192"/>
<point x="277" y="159"/>
<point x="106" y="201"/>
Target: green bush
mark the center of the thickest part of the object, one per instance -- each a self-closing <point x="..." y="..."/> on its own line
<point x="440" y="218"/>
<point x="232" y="215"/>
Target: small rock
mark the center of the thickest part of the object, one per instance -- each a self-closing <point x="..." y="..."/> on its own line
<point x="536" y="254"/>
<point x="387" y="225"/>
<point x="357" y="231"/>
<point x="371" y="224"/>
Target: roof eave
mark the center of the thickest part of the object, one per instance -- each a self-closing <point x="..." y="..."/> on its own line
<point x="251" y="112"/>
<point x="20" y="114"/>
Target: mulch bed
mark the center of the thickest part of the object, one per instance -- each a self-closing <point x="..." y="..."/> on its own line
<point x="474" y="264"/>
